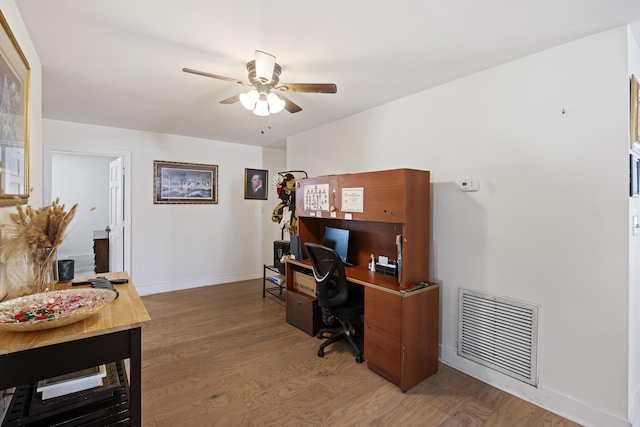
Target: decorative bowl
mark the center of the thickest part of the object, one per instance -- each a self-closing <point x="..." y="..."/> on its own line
<point x="50" y="310"/>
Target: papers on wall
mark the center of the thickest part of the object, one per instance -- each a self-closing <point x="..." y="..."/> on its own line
<point x="352" y="199"/>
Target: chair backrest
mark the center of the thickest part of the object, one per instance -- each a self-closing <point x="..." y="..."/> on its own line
<point x="328" y="271"/>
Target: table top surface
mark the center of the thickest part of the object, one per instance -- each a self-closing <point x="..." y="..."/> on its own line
<point x="365" y="277"/>
<point x="125" y="312"/>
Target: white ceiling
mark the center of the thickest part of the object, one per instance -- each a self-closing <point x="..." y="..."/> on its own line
<point x="119" y="63"/>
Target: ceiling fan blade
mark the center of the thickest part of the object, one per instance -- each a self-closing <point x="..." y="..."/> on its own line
<point x="215" y="76"/>
<point x="264" y="66"/>
<point x="289" y="105"/>
<point x="231" y="100"/>
<point x="308" y="87"/>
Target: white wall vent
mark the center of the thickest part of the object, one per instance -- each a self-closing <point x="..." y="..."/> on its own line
<point x="499" y="333"/>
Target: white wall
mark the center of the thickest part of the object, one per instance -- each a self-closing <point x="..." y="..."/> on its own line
<point x="547" y="136"/>
<point x="181" y="246"/>
<point x="12" y="15"/>
<point x="634" y="271"/>
<point x="84" y="180"/>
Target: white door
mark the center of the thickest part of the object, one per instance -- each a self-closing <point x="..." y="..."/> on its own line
<point x="116" y="216"/>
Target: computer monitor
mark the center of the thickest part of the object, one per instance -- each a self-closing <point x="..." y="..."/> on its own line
<point x="338" y="240"/>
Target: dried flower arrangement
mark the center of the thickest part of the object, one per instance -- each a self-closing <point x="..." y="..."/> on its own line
<point x="34" y="237"/>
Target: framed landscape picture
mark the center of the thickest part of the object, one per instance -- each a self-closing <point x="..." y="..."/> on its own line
<point x="14" y="119"/>
<point x="255" y="184"/>
<point x="180" y="183"/>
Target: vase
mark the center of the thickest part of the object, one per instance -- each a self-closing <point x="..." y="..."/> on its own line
<point x="44" y="271"/>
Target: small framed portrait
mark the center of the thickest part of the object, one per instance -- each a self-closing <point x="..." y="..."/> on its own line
<point x="255" y="184"/>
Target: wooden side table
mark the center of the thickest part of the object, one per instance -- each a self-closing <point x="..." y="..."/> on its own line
<point x="111" y="335"/>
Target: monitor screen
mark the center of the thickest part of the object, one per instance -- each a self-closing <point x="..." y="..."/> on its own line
<point x="338" y="240"/>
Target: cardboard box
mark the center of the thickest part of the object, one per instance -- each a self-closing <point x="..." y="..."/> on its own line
<point x="304" y="283"/>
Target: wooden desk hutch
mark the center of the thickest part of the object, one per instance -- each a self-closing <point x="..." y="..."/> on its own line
<point x="400" y="329"/>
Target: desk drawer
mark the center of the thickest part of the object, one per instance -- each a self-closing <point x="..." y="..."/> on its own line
<point x="382" y="351"/>
<point x="303" y="312"/>
<point x="383" y="310"/>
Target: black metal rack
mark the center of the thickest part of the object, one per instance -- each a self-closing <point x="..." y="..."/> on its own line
<point x="277" y="290"/>
<point x="91" y="408"/>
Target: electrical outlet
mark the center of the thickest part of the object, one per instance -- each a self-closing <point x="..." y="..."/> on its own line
<point x="469" y="184"/>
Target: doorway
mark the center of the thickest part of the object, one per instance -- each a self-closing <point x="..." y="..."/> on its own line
<point x="86" y="177"/>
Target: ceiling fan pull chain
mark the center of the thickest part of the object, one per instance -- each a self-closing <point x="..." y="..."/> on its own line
<point x="268" y="123"/>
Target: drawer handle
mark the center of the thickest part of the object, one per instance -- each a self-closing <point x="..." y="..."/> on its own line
<point x="298" y="302"/>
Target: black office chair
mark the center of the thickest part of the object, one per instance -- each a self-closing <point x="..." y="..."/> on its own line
<point x="333" y="297"/>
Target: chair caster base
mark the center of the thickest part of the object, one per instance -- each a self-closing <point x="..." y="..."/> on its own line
<point x="320" y="353"/>
<point x="359" y="359"/>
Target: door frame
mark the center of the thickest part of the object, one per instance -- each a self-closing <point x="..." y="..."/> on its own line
<point x="126" y="196"/>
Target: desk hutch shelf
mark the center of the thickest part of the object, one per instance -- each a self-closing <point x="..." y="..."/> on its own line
<point x="400" y="330"/>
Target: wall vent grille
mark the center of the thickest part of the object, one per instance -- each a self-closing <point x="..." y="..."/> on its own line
<point x="499" y="333"/>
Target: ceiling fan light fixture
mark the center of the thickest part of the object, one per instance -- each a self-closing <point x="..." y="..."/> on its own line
<point x="275" y="104"/>
<point x="265" y="63"/>
<point x="247" y="102"/>
<point x="249" y="99"/>
<point x="262" y="108"/>
<point x="264" y="76"/>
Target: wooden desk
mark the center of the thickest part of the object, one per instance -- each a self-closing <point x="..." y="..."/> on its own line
<point x="112" y="334"/>
<point x="400" y="330"/>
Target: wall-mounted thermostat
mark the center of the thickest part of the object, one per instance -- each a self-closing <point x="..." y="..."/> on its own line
<point x="469" y="184"/>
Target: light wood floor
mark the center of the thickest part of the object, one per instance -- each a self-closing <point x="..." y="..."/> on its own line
<point x="224" y="356"/>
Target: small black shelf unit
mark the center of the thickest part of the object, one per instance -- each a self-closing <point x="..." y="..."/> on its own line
<point x="110" y="408"/>
<point x="277" y="290"/>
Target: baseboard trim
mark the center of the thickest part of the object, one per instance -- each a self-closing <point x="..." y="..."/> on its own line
<point x="158" y="288"/>
<point x="550" y="400"/>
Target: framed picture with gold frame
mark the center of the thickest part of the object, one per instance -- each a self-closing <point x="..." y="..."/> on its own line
<point x="15" y="75"/>
<point x="634" y="109"/>
<point x="185" y="183"/>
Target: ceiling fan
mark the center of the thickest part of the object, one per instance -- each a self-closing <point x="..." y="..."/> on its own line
<point x="264" y="77"/>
